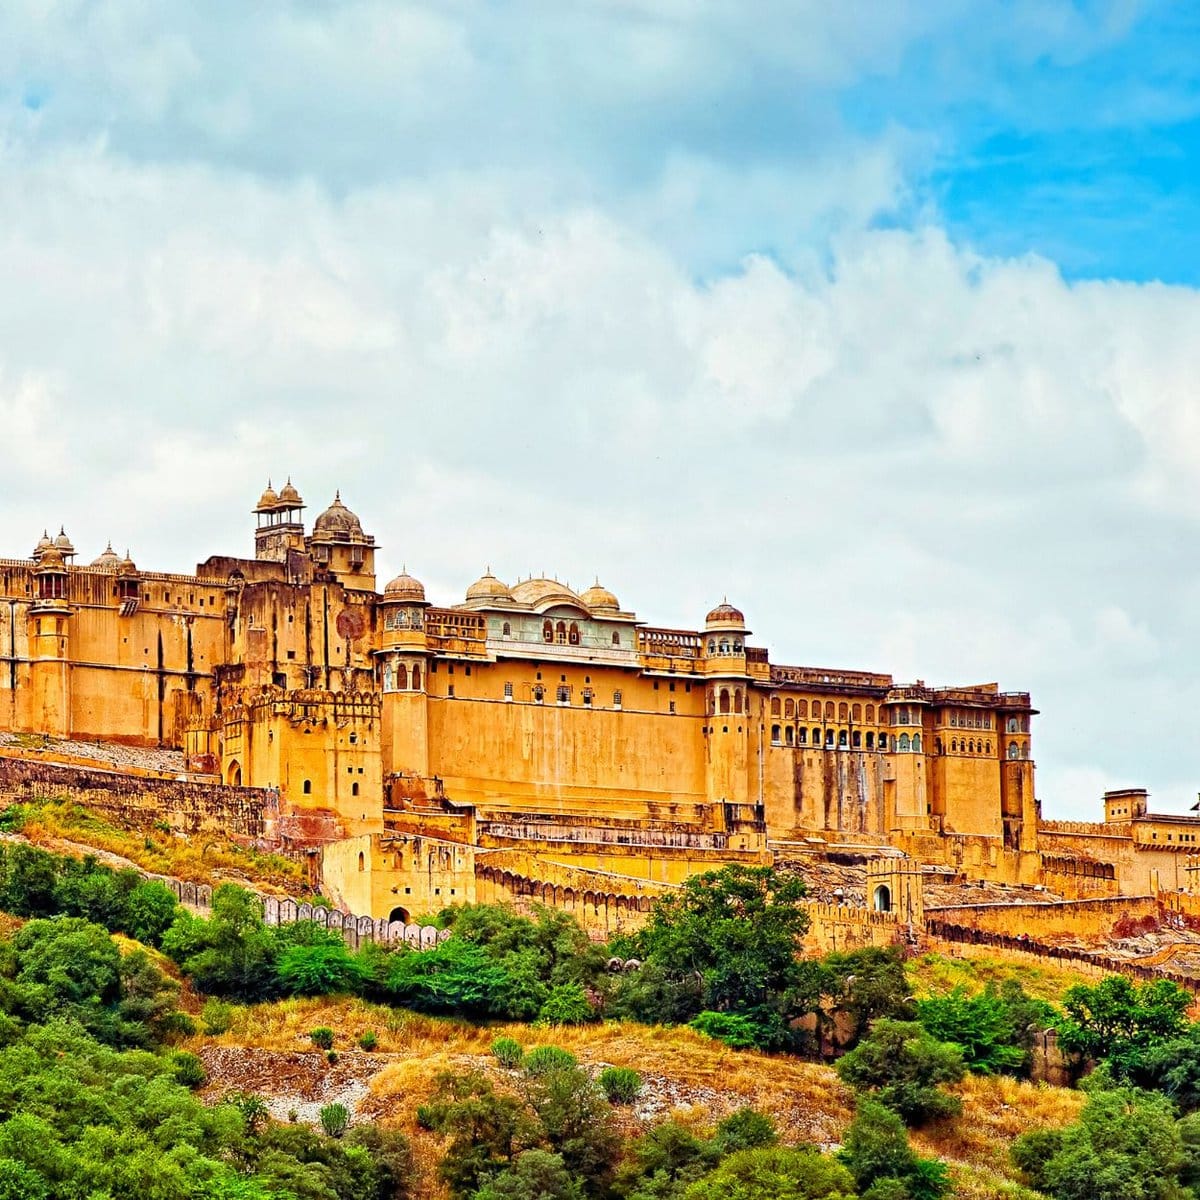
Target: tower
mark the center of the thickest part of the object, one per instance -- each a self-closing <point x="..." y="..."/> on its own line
<point x="280" y="526"/>
<point x="340" y="547"/>
<point x="49" y="640"/>
<point x="402" y="666"/>
<point x="730" y="731"/>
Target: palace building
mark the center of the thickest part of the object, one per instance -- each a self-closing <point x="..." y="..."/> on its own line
<point x="525" y="719"/>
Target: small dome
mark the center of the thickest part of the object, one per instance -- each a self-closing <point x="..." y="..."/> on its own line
<point x="725" y="615"/>
<point x="62" y="543"/>
<point x="289" y="497"/>
<point x="405" y="587"/>
<point x="44" y="544"/>
<point x="268" y="500"/>
<point x="488" y="587"/>
<point x="110" y="558"/>
<point x="337" y="521"/>
<point x="51" y="558"/>
<point x="127" y="566"/>
<point x="600" y="599"/>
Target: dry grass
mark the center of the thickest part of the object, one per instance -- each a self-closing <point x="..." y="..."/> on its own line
<point x="50" y="823"/>
<point x="936" y="974"/>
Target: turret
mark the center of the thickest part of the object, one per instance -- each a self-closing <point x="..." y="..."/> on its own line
<point x="403" y="664"/>
<point x="339" y="546"/>
<point x="280" y="525"/>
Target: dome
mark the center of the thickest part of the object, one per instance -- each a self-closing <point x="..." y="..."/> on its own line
<point x="541" y="594"/>
<point x="289" y="497"/>
<point x="600" y="599"/>
<point x="725" y="615"/>
<point x="488" y="587"/>
<point x="44" y="544"/>
<point x="268" y="500"/>
<point x="51" y="558"/>
<point x="337" y="521"/>
<point x="110" y="558"/>
<point x="405" y="587"/>
<point x="62" y="543"/>
<point x="127" y="566"/>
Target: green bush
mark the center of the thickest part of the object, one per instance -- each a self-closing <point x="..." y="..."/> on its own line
<point x="800" y="1174"/>
<point x="331" y="1056"/>
<point x="508" y="1052"/>
<point x="541" y="1060"/>
<point x="216" y="1016"/>
<point x="567" y="1004"/>
<point x="746" y="1129"/>
<point x="877" y="1152"/>
<point x="622" y="1085"/>
<point x="189" y="1070"/>
<point x="993" y="1029"/>
<point x="902" y="1064"/>
<point x="734" y="1029"/>
<point x="322" y="1037"/>
<point x="368" y="1041"/>
<point x="335" y="1118"/>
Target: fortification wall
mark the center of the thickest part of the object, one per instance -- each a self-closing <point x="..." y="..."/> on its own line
<point x="139" y="802"/>
<point x="1073" y="918"/>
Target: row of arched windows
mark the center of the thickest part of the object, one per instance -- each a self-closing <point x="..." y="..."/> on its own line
<point x="839" y="739"/>
<point x="404" y="618"/>
<point x="724" y="699"/>
<point x="725" y="646"/>
<point x="971" y="719"/>
<point x="395" y="679"/>
<point x="562" y="633"/>
<point x="841" y="712"/>
<point x="905" y="745"/>
<point x="1018" y="724"/>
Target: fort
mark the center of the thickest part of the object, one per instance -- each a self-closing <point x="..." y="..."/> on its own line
<point x="528" y="741"/>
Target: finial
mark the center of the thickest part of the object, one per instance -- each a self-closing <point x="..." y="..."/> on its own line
<point x="337" y="496"/>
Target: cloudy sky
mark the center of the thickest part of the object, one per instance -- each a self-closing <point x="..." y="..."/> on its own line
<point x="881" y="318"/>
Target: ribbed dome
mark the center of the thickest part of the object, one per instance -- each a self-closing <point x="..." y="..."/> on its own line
<point x="44" y="544"/>
<point x="337" y="521"/>
<point x="110" y="558"/>
<point x="542" y="593"/>
<point x="600" y="599"/>
<point x="725" y="615"/>
<point x="405" y="587"/>
<point x="268" y="501"/>
<point x="488" y="587"/>
<point x="62" y="543"/>
<point x="289" y="497"/>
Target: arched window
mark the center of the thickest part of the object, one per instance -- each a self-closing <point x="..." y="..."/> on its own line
<point x="560" y="632"/>
<point x="539" y="694"/>
<point x="573" y="636"/>
<point x="416" y="678"/>
<point x="904" y="742"/>
<point x="354" y="789"/>
<point x="842" y="739"/>
<point x="856" y="740"/>
<point x="829" y="710"/>
<point x="507" y="629"/>
<point x="883" y="741"/>
<point x="402" y="677"/>
<point x="389" y="678"/>
<point x="789" y="736"/>
<point x="1012" y="724"/>
<point x="802" y="709"/>
<point x="774" y="706"/>
<point x="362" y="861"/>
<point x="737" y="700"/>
<point x="802" y="736"/>
<point x="870" y="741"/>
<point x="937" y="745"/>
<point x="1014" y="751"/>
<point x="547" y="631"/>
<point x="724" y="646"/>
<point x="989" y="747"/>
<point x="881" y="901"/>
<point x="902" y="716"/>
<point x="724" y="700"/>
<point x="816" y="737"/>
<point x="616" y="638"/>
<point x="971" y="746"/>
<point x="789" y="709"/>
<point x="870" y="714"/>
<point x="843" y="712"/>
<point x="856" y="713"/>
<point x="829" y="738"/>
<point x="916" y="743"/>
<point x="712" y="646"/>
<point x="774" y="735"/>
<point x="307" y="788"/>
<point x="954" y="745"/>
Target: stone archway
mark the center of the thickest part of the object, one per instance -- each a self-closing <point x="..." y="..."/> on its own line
<point x="881" y="898"/>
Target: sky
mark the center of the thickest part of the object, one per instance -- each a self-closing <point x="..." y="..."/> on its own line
<point x="880" y="318"/>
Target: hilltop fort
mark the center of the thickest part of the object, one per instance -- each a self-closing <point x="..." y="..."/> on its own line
<point x="526" y="740"/>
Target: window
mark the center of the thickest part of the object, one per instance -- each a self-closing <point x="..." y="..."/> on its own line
<point x="402" y="677"/>
<point x="307" y="788"/>
<point x="1012" y="725"/>
<point x="902" y="716"/>
<point x="539" y="694"/>
<point x="842" y="739"/>
<point x="829" y="738"/>
<point x="1014" y="751"/>
<point x="671" y="706"/>
<point x="802" y="708"/>
<point x="362" y="861"/>
<point x="843" y="712"/>
<point x="802" y="736"/>
<point x="712" y="646"/>
<point x="616" y="699"/>
<point x="724" y="700"/>
<point x="547" y="631"/>
<point x="870" y="714"/>
<point x="508" y="691"/>
<point x="416" y="680"/>
<point x="560" y="633"/>
<point x="587" y="697"/>
<point x="564" y="694"/>
<point x="789" y="736"/>
<point x="856" y="713"/>
<point x="816" y="737"/>
<point x="774" y="735"/>
<point x="354" y="789"/>
<point x="573" y="635"/>
<point x="856" y="740"/>
<point x="507" y="629"/>
<point x="829" y="710"/>
<point x="737" y="700"/>
<point x="916" y="743"/>
<point x="904" y="742"/>
<point x="450" y="691"/>
<point x="354" y="739"/>
<point x="883" y="741"/>
<point x="870" y="741"/>
<point x="616" y="638"/>
<point x="774" y="706"/>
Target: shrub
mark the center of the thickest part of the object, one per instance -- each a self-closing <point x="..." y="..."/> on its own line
<point x="622" y="1085"/>
<point x="535" y="1173"/>
<point x="368" y="1041"/>
<point x="802" y="1174"/>
<point x="216" y="1016"/>
<point x="746" y="1129"/>
<point x="877" y="1152"/>
<point x="322" y="1037"/>
<point x="318" y="970"/>
<point x="331" y="1056"/>
<point x="189" y="1070"/>
<point x="1117" y="1018"/>
<point x="542" y="1060"/>
<point x="734" y="1029"/>
<point x="566" y="1004"/>
<point x="993" y="1029"/>
<point x="902" y="1065"/>
<point x="508" y="1052"/>
<point x="334" y="1119"/>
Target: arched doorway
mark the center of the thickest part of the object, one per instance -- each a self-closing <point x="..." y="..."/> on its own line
<point x="399" y="914"/>
<point x="882" y="899"/>
<point x="235" y="774"/>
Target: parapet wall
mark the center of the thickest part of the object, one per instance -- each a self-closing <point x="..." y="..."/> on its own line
<point x="139" y="802"/>
<point x="1075" y="918"/>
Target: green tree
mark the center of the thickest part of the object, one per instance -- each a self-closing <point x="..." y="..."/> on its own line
<point x="877" y="1152"/>
<point x="150" y="909"/>
<point x="746" y="1129"/>
<point x="867" y="984"/>
<point x="578" y="1124"/>
<point x="456" y="977"/>
<point x="1118" y="1020"/>
<point x="902" y="1065"/>
<point x="534" y="1175"/>
<point x="318" y="970"/>
<point x="1126" y="1145"/>
<point x="994" y="1029"/>
<point x="775" y="1173"/>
